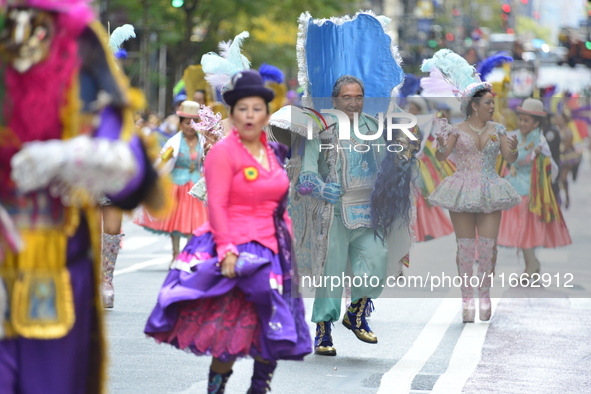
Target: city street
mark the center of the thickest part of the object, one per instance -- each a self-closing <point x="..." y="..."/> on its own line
<point x="395" y="111"/>
<point x="531" y="344"/>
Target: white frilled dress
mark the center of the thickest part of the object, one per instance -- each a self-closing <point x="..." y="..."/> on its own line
<point x="475" y="186"/>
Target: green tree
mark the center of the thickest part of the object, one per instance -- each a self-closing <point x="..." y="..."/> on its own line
<point x="198" y="26"/>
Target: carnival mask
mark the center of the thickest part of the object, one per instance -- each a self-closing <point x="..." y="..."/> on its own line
<point x="26" y="37"/>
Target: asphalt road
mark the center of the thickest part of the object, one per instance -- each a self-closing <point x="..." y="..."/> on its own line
<point x="538" y="340"/>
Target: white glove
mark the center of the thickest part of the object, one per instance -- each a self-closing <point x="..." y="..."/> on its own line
<point x="97" y="165"/>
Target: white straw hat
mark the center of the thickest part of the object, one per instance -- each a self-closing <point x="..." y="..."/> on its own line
<point x="533" y="107"/>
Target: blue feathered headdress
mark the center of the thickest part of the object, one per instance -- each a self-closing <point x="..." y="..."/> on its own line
<point x="411" y="85"/>
<point x="271" y="73"/>
<point x="489" y="64"/>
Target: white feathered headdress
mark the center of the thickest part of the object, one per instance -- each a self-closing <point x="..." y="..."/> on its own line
<point x="120" y="35"/>
<point x="220" y="68"/>
<point x="451" y="75"/>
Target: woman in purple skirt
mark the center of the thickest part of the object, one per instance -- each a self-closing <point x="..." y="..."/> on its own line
<point x="232" y="292"/>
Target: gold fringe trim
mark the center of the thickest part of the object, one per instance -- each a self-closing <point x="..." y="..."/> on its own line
<point x="70" y="113"/>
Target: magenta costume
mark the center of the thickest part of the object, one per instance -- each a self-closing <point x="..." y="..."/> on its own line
<point x="71" y="361"/>
<point x="258" y="313"/>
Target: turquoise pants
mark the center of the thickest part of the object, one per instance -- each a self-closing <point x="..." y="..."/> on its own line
<point x="368" y="258"/>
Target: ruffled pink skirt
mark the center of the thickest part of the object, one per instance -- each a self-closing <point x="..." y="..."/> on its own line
<point x="225" y="327"/>
<point x="521" y="228"/>
<point x="188" y="215"/>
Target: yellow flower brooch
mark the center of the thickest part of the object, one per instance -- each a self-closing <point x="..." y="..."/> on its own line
<point x="494" y="137"/>
<point x="251" y="173"/>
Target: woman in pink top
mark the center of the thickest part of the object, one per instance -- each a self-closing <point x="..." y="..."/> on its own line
<point x="229" y="293"/>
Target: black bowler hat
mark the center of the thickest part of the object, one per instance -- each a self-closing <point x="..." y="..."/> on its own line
<point x="247" y="83"/>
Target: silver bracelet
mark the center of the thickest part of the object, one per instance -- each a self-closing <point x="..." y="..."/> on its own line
<point x="442" y="149"/>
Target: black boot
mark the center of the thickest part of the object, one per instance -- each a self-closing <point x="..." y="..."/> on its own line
<point x="354" y="320"/>
<point x="323" y="340"/>
<point x="261" y="377"/>
<point x="217" y="382"/>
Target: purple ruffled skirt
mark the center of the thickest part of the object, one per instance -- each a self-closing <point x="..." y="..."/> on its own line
<point x="254" y="314"/>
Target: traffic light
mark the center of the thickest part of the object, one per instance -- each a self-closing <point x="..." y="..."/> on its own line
<point x="178" y="3"/>
<point x="505" y="15"/>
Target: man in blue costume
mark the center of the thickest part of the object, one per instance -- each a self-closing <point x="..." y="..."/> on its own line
<point x="351" y="235"/>
<point x="344" y="203"/>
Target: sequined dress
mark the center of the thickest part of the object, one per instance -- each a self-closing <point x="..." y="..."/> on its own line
<point x="475" y="186"/>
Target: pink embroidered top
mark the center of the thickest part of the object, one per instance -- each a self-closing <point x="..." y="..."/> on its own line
<point x="242" y="195"/>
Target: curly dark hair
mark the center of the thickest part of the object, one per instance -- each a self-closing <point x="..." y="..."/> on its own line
<point x="475" y="99"/>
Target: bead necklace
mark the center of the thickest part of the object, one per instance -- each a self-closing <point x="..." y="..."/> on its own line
<point x="261" y="156"/>
<point x="479" y="131"/>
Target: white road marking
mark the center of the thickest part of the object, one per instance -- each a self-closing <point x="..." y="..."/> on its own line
<point x="466" y="356"/>
<point x="399" y="378"/>
<point x="145" y="264"/>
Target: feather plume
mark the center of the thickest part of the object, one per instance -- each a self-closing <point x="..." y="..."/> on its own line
<point x="234" y="56"/>
<point x="214" y="64"/>
<point x="436" y="86"/>
<point x="453" y="67"/>
<point x="224" y="47"/>
<point x="271" y="73"/>
<point x="488" y="64"/>
<point x="120" y="35"/>
<point x="220" y="68"/>
<point x="217" y="80"/>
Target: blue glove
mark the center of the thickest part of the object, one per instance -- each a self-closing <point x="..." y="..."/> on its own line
<point x="311" y="183"/>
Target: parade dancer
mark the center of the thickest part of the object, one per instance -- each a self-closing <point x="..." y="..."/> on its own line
<point x="112" y="216"/>
<point x="537" y="221"/>
<point x="475" y="194"/>
<point x="229" y="294"/>
<point x="181" y="157"/>
<point x="331" y="206"/>
<point x="67" y="140"/>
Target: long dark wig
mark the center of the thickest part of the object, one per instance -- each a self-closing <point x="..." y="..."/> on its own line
<point x="391" y="196"/>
